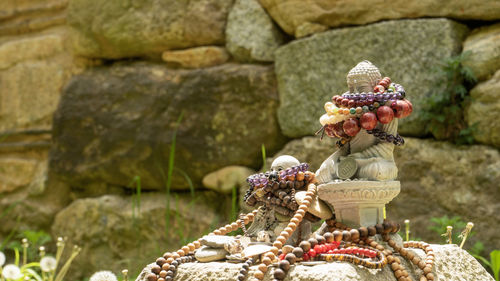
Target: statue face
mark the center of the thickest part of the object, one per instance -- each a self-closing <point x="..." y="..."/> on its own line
<point x="284" y="162"/>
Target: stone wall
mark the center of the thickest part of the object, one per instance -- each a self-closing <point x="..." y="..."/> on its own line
<point x="95" y="97"/>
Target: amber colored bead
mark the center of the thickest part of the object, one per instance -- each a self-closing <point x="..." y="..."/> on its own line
<point x="185" y="249"/>
<point x="170" y="260"/>
<point x="180" y="253"/>
<point x="262" y="267"/>
<point x="266" y="261"/>
<point x="274" y="250"/>
<point x="151" y="277"/>
<point x="277" y="244"/>
<point x="259" y="275"/>
<point x="328" y="237"/>
<point x="305" y="245"/>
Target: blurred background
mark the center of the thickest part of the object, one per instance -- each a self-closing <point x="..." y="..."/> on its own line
<point x="129" y="126"/>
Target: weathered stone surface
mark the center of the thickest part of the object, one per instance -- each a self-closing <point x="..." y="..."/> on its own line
<point x="484" y="45"/>
<point x="310" y="71"/>
<point x="32" y="72"/>
<point x="484" y="111"/>
<point x="251" y="34"/>
<point x="117" y="29"/>
<point x="292" y="15"/>
<point x="15" y="173"/>
<point x="114" y="234"/>
<point x="437" y="179"/>
<point x="227" y="178"/>
<point x="17" y="17"/>
<point x="118" y="122"/>
<point x="196" y="57"/>
<point x="216" y="241"/>
<point x="451" y="263"/>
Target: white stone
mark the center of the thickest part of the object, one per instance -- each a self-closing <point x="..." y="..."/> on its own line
<point x="208" y="254"/>
<point x="216" y="241"/>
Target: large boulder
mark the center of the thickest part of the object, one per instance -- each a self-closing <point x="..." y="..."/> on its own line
<point x="484" y="47"/>
<point x="437" y="179"/>
<point x="451" y="263"/>
<point x="118" y="122"/>
<point x="484" y="111"/>
<point x="310" y="71"/>
<point x="295" y="17"/>
<point x="251" y="34"/>
<point x="117" y="29"/>
<point x="117" y="232"/>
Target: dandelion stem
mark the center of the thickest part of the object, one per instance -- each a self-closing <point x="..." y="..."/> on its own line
<point x="407" y="230"/>
<point x="64" y="269"/>
<point x="466" y="233"/>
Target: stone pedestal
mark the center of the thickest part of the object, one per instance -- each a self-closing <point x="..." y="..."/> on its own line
<point x="359" y="203"/>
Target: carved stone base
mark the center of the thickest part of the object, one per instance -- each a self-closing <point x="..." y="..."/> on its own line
<point x="359" y="203"/>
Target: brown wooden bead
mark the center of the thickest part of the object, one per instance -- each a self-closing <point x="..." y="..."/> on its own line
<point x="197" y="244"/>
<point x="394" y="266"/>
<point x="372" y="231"/>
<point x="321" y="239"/>
<point x="279" y="274"/>
<point x="423" y="278"/>
<point x="165" y="266"/>
<point x="281" y="239"/>
<point x="328" y="237"/>
<point x="396" y="259"/>
<point x="217" y="232"/>
<point x="262" y="267"/>
<point x="390" y="259"/>
<point x="284" y="264"/>
<point x="429" y="276"/>
<point x="163" y="274"/>
<point x="291" y="258"/>
<point x="354" y="235"/>
<point x="374" y="244"/>
<point x="180" y="253"/>
<point x="305" y="245"/>
<point x="330" y="222"/>
<point x="380" y="247"/>
<point x="421" y="264"/>
<point x="170" y="260"/>
<point x="278" y="244"/>
<point x="151" y="277"/>
<point x="155" y="269"/>
<point x="185" y="249"/>
<point x="313" y="242"/>
<point x="363" y="232"/>
<point x="161" y="279"/>
<point x="346" y="236"/>
<point x="404" y="252"/>
<point x="398" y="273"/>
<point x="415" y="260"/>
<point x="379" y="228"/>
<point x="337" y="236"/>
<point x="410" y="255"/>
<point x="160" y="261"/>
<point x="298" y="252"/>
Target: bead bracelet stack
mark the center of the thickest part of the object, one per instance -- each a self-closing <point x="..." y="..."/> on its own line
<point x="347" y="114"/>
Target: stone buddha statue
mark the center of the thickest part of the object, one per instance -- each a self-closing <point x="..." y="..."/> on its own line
<point x="366" y="121"/>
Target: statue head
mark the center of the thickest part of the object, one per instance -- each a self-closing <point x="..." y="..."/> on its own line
<point x="284" y="162"/>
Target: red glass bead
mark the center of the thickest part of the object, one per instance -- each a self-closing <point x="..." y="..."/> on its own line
<point x="385" y="114"/>
<point x="282" y="256"/>
<point x="360" y="103"/>
<point x="368" y="121"/>
<point x="387" y="79"/>
<point x="334" y="98"/>
<point x="410" y="107"/>
<point x="338" y="129"/>
<point x="398" y="108"/>
<point x="330" y="252"/>
<point x="317" y="248"/>
<point x="312" y="253"/>
<point x="329" y="131"/>
<point x="351" y="127"/>
<point x="305" y="256"/>
<point x="351" y="103"/>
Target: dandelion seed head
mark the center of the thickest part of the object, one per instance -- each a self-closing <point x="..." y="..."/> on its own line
<point x="48" y="264"/>
<point x="2" y="258"/>
<point x="103" y="276"/>
<point x="11" y="271"/>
